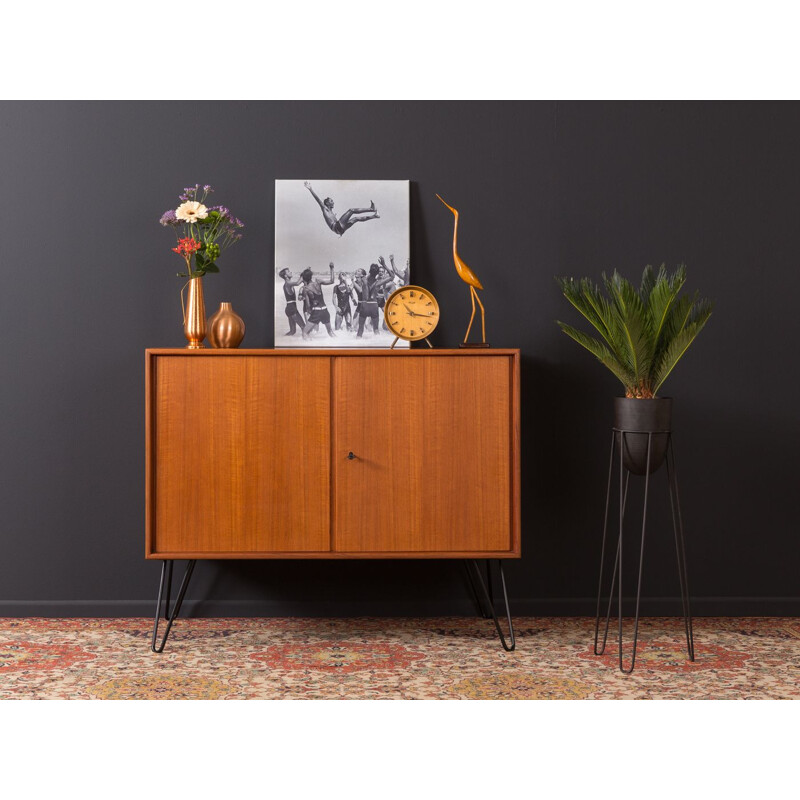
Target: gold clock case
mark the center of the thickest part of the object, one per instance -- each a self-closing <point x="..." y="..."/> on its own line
<point x="396" y="328"/>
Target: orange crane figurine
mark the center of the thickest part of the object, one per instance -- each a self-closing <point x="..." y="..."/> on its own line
<point x="469" y="277"/>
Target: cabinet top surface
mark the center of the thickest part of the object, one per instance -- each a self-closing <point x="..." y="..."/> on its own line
<point x="289" y="351"/>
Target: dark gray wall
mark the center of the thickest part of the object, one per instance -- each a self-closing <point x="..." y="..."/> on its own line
<point x="544" y="189"/>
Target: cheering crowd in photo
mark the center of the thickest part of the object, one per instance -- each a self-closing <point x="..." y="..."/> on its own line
<point x="357" y="299"/>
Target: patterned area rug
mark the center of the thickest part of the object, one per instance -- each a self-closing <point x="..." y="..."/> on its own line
<point x="366" y="658"/>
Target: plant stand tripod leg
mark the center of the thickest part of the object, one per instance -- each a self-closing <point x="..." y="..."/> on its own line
<point x="602" y="557"/>
<point x="506" y="646"/>
<point x="603" y="550"/>
<point x="641" y="557"/>
<point x="680" y="547"/>
<point x="166" y="578"/>
<point x="475" y="594"/>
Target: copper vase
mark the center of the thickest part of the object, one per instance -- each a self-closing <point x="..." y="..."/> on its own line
<point x="194" y="315"/>
<point x="225" y="328"/>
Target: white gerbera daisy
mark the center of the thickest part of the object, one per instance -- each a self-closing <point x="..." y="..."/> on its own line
<point x="191" y="211"/>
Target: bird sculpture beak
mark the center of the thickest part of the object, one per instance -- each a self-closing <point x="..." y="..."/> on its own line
<point x="450" y="207"/>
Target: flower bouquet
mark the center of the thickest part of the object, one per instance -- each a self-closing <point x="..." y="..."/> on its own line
<point x="203" y="233"/>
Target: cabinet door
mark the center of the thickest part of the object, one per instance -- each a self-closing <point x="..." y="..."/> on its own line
<point x="241" y="454"/>
<point x="433" y="468"/>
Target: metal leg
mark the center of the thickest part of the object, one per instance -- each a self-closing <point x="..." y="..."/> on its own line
<point x="166" y="578"/>
<point x="641" y="560"/>
<point x="169" y="588"/>
<point x="680" y="547"/>
<point x="491" y="606"/>
<point x="602" y="552"/>
<point x="479" y="604"/>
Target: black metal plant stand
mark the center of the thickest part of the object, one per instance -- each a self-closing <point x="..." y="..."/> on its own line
<point x="166" y="580"/>
<point x="618" y="445"/>
<point x="487" y="595"/>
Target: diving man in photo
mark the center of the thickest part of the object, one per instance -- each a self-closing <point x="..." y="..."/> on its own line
<point x="347" y="220"/>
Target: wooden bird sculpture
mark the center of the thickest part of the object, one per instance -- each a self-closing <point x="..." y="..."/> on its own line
<point x="469" y="277"/>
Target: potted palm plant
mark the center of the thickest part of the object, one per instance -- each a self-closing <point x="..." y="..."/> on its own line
<point x="643" y="335"/>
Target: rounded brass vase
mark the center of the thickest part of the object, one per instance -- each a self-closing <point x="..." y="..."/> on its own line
<point x="225" y="328"/>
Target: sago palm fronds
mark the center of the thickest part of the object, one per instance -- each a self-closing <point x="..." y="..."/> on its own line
<point x="643" y="333"/>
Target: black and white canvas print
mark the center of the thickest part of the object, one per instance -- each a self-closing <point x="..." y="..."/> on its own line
<point x="341" y="248"/>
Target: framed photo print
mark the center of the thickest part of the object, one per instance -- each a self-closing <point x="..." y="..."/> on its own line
<point x="341" y="248"/>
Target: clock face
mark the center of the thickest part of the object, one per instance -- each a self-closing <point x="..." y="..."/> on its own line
<point x="411" y="313"/>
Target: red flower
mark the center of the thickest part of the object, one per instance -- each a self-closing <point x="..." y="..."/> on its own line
<point x="187" y="247"/>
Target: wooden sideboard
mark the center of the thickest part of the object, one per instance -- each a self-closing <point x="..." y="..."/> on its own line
<point x="249" y="454"/>
<point x="332" y="454"/>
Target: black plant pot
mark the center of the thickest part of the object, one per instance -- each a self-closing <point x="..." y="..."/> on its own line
<point x="643" y="417"/>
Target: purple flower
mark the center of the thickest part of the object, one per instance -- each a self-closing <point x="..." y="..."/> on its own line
<point x="169" y="218"/>
<point x="224" y="213"/>
<point x="207" y="189"/>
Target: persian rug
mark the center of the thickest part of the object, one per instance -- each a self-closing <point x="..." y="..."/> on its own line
<point x="390" y="658"/>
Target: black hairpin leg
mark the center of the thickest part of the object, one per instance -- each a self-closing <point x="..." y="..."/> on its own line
<point x="166" y="582"/>
<point x="641" y="551"/>
<point x="680" y="547"/>
<point x="168" y="587"/>
<point x="490" y="602"/>
<point x="623" y="499"/>
<point x="475" y="593"/>
<point x="603" y="553"/>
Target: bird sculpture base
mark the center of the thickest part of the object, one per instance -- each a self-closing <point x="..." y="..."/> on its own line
<point x="474" y="344"/>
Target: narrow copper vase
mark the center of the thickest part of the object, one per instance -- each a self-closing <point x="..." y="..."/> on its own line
<point x="225" y="328"/>
<point x="194" y="315"/>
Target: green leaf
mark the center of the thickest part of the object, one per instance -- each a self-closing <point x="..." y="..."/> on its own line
<point x="680" y="344"/>
<point x="210" y="266"/>
<point x="676" y="319"/>
<point x="586" y="297"/>
<point x="638" y="350"/>
<point x="662" y="296"/>
<point x="648" y="282"/>
<point x="599" y="351"/>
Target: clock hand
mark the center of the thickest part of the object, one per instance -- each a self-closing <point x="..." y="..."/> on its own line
<point x="409" y="310"/>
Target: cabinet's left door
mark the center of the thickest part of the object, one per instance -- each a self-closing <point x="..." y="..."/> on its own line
<point x="239" y="456"/>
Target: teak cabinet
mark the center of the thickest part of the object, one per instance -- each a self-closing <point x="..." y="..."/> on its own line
<point x="332" y="454"/>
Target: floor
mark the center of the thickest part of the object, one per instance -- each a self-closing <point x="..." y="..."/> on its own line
<point x="425" y="658"/>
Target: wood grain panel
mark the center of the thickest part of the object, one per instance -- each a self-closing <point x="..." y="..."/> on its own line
<point x="241" y="454"/>
<point x="434" y="464"/>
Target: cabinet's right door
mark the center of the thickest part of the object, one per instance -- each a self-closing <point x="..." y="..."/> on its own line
<point x="432" y="440"/>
